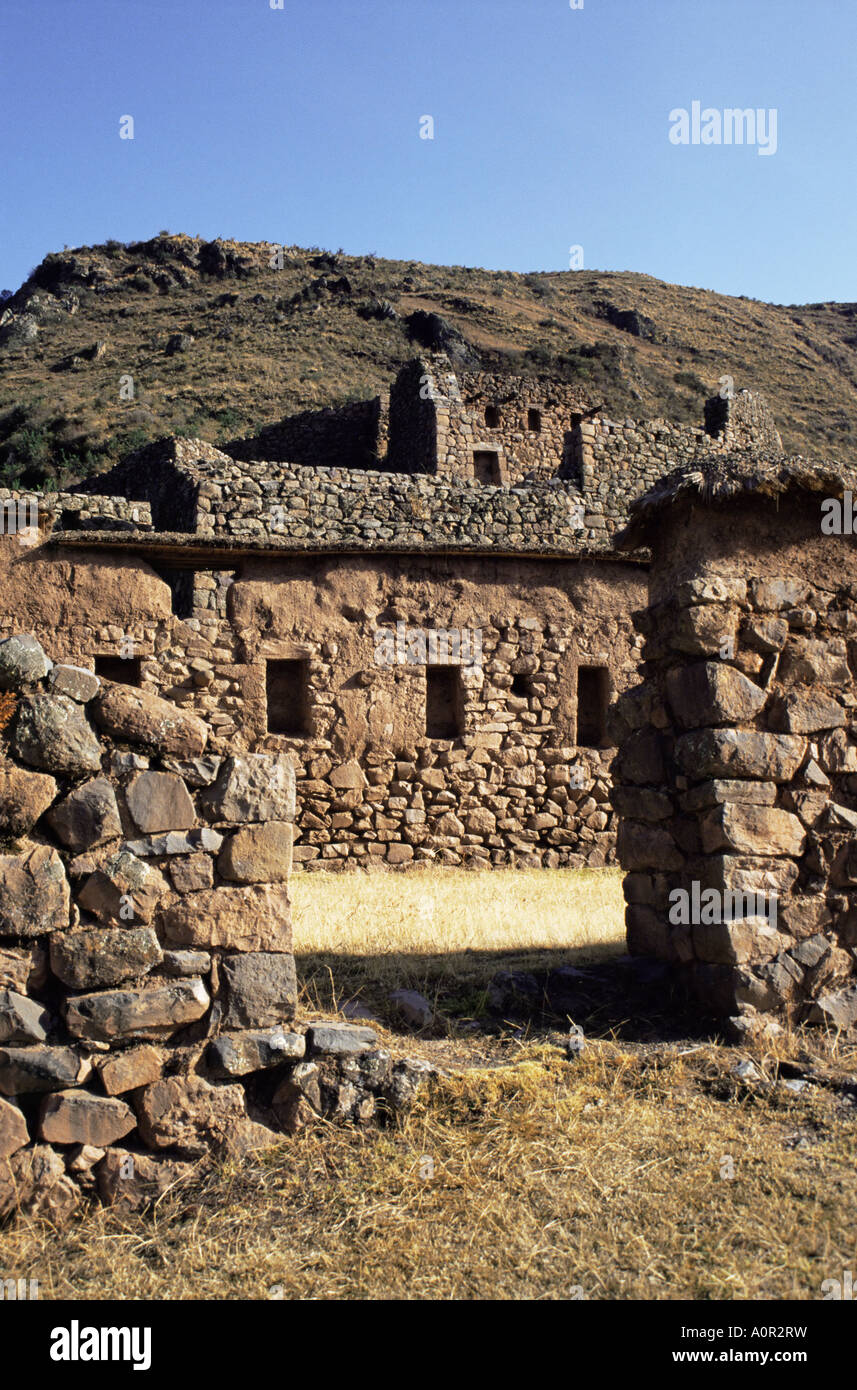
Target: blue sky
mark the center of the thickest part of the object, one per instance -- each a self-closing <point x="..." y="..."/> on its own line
<point x="551" y="129"/>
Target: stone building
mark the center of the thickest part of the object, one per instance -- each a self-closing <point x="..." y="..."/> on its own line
<point x="736" y="776"/>
<point x="434" y="640"/>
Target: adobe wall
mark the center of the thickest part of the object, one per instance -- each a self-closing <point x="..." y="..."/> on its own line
<point x="737" y="769"/>
<point x="503" y="793"/>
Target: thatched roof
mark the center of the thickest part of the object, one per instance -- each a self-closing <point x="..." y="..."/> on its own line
<point x="713" y="482"/>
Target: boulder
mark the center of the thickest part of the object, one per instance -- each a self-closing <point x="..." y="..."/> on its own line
<point x="414" y="1007"/>
<point x="261" y="989"/>
<point x="134" y="1180"/>
<point x="22" y="662"/>
<point x="258" y="853"/>
<point x="254" y="918"/>
<point x="641" y="845"/>
<point x="34" y="1181"/>
<point x="193" y="1116"/>
<point x="339" y="1039"/>
<point x="348" y="776"/>
<point x="75" y="682"/>
<point x="23" y="968"/>
<point x="711" y="692"/>
<point x="175" y="842"/>
<point x="35" y="897"/>
<point x="737" y="753"/>
<point x="160" y="801"/>
<point x="87" y="817"/>
<point x="22" y="1020"/>
<point x="805" y="714"/>
<point x="192" y="874"/>
<point x="237" y="1054"/>
<point x="181" y="963"/>
<point x="29" y="1070"/>
<point x="255" y="787"/>
<point x="154" y="1011"/>
<point x="89" y="958"/>
<point x="78" y="1117"/>
<point x="125" y="712"/>
<point x="126" y="1071"/>
<point x="24" y="797"/>
<point x="124" y="889"/>
<point x="52" y="732"/>
<point x="13" y="1129"/>
<point x="839" y="1009"/>
<point x="749" y="829"/>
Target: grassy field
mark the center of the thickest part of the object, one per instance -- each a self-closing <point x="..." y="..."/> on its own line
<point x="641" y="1170"/>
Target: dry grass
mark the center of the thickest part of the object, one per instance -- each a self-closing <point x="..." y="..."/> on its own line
<point x="546" y="1176"/>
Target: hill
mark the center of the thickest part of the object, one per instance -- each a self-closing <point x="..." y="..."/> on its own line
<point x="217" y="341"/>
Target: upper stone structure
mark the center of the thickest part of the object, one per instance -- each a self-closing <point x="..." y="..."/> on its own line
<point x="446" y="460"/>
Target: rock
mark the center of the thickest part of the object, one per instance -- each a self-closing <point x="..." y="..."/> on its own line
<point x="712" y="692"/>
<point x="730" y="943"/>
<point x="75" y="682"/>
<point x="153" y="1011"/>
<point x="838" y="1008"/>
<point x="258" y="853"/>
<point x="182" y="963"/>
<point x="160" y="801"/>
<point x="414" y="1007"/>
<point x="746" y="1071"/>
<point x="837" y="754"/>
<point x="13" y="1129"/>
<point x="35" y="897"/>
<point x="740" y="753"/>
<point x="357" y="1012"/>
<point x="77" y="1117"/>
<point x="642" y="846"/>
<point x="408" y="1075"/>
<point x="125" y="1071"/>
<point x="719" y="793"/>
<point x="51" y="732"/>
<point x="805" y="714"/>
<point x="29" y="1070"/>
<point x="339" y="1039"/>
<point x="348" y="777"/>
<point x="34" y="1181"/>
<point x="134" y="1180"/>
<point x="254" y="918"/>
<point x="23" y="968"/>
<point x="87" y="817"/>
<point x="195" y="772"/>
<point x="808" y="661"/>
<point x="194" y="1116"/>
<point x="766" y="635"/>
<point x="261" y="989"/>
<point x="22" y="1020"/>
<point x="192" y="874"/>
<point x="24" y="797"/>
<point x="236" y="1054"/>
<point x="255" y="787"/>
<point x="772" y="594"/>
<point x="125" y="712"/>
<point x="89" y="958"/>
<point x="22" y="662"/>
<point x="85" y="1158"/>
<point x="175" y="842"/>
<point x="752" y="830"/>
<point x="124" y="889"/>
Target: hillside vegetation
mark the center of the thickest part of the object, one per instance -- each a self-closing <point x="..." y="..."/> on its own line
<point x="219" y="342"/>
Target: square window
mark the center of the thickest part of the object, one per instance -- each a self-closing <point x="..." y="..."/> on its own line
<point x="534" y="420"/>
<point x="287" y="697"/>
<point x="486" y="465"/>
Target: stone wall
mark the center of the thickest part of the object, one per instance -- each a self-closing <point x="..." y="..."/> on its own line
<point x="347" y="436"/>
<point x="502" y="792"/>
<point x="148" y="996"/>
<point x="736" y="778"/>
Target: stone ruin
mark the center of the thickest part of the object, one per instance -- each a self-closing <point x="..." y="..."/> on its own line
<point x="433" y="640"/>
<point x="148" y="1000"/>
<point x="736" y="774"/>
